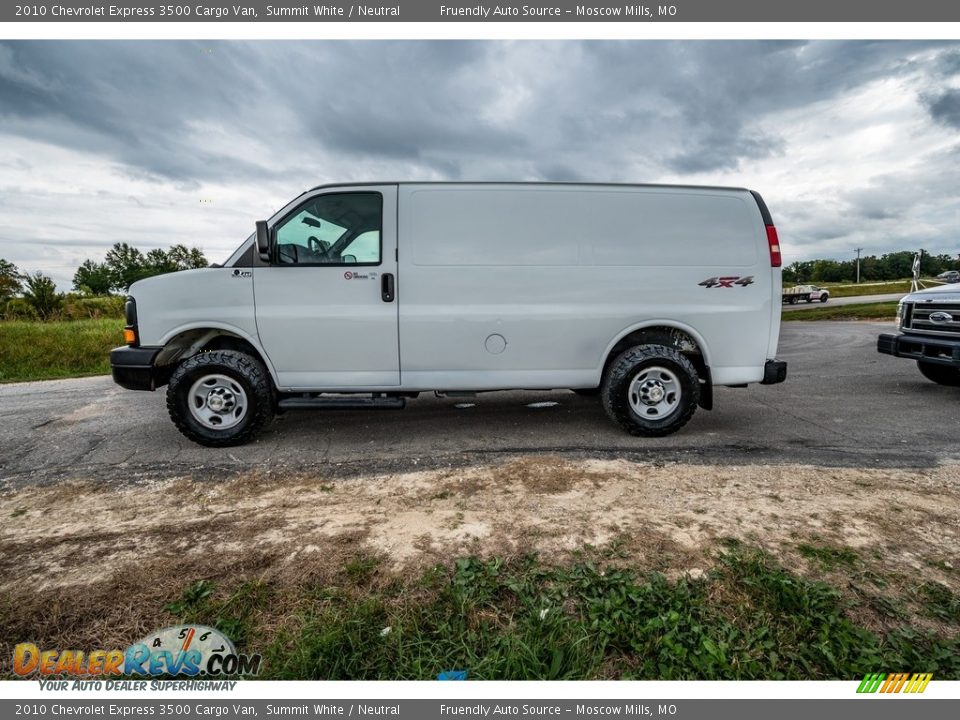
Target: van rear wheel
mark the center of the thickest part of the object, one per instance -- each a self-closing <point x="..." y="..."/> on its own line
<point x="220" y="398"/>
<point x="651" y="390"/>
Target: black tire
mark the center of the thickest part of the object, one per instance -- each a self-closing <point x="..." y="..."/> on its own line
<point x="248" y="372"/>
<point x="940" y="374"/>
<point x="587" y="392"/>
<point x="627" y="366"/>
<point x="824" y="298"/>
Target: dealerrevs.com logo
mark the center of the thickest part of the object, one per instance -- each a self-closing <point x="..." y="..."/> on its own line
<point x="180" y="650"/>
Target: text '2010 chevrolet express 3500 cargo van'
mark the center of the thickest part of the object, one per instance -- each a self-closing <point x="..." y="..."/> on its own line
<point x="366" y="295"/>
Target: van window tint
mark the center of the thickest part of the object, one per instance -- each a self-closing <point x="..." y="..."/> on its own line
<point x="334" y="229"/>
<point x="365" y="248"/>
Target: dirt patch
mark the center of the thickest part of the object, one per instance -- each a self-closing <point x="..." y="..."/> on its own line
<point x="91" y="565"/>
<point x="667" y="516"/>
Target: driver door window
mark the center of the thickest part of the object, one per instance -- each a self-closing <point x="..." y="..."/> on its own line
<point x="333" y="229"/>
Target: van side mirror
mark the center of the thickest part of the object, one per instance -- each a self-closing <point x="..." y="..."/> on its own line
<point x="263" y="240"/>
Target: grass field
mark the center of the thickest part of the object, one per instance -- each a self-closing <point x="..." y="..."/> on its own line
<point x="747" y="618"/>
<point x="874" y="288"/>
<point x="48" y="350"/>
<point x="869" y="311"/>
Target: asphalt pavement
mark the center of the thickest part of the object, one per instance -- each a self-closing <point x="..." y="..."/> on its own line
<point x="843" y="404"/>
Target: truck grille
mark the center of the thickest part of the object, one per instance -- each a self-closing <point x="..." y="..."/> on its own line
<point x="932" y="318"/>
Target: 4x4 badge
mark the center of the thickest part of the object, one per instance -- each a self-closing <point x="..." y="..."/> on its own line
<point x="726" y="282"/>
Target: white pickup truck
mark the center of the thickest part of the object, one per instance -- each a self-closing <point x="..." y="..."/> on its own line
<point x="929" y="325"/>
<point x="805" y="293"/>
<point x="367" y="295"/>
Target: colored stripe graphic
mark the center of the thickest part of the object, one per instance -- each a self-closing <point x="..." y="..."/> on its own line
<point x="918" y="683"/>
<point x="871" y="681"/>
<point x="894" y="682"/>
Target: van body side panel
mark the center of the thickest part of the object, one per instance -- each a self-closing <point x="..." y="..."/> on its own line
<point x="206" y="298"/>
<point x="526" y="286"/>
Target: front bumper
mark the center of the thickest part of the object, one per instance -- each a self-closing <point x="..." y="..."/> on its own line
<point x="774" y="371"/>
<point x="942" y="351"/>
<point x="134" y="368"/>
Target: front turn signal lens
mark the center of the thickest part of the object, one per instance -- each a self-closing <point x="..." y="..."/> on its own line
<point x="130" y="336"/>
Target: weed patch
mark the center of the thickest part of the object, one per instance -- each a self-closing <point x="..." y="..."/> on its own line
<point x="748" y="618"/>
<point x="940" y="602"/>
<point x="522" y="618"/>
<point x="828" y="557"/>
<point x="866" y="311"/>
<point x="48" y="350"/>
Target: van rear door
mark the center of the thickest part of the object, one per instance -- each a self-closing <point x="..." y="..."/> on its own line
<point x="326" y="303"/>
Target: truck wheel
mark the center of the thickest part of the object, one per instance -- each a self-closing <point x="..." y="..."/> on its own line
<point x="220" y="398"/>
<point x="651" y="390"/>
<point x="823" y="298"/>
<point x="940" y="374"/>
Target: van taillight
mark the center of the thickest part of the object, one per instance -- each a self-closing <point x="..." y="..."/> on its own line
<point x="774" y="242"/>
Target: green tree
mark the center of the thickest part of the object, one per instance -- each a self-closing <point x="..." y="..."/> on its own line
<point x="93" y="278"/>
<point x="11" y="281"/>
<point x="893" y="266"/>
<point x="799" y="272"/>
<point x="184" y="258"/>
<point x="827" y="271"/>
<point x="41" y="293"/>
<point x="157" y="262"/>
<point x="127" y="265"/>
<point x="933" y="265"/>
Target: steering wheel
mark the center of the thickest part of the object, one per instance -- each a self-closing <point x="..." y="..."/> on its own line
<point x="318" y="247"/>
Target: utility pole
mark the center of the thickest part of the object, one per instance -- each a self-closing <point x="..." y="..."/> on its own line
<point x="859" y="250"/>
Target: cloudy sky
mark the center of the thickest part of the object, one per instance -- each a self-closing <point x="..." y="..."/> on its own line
<point x="853" y="144"/>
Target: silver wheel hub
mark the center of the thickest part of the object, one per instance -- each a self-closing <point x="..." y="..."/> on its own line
<point x="654" y="392"/>
<point x="217" y="401"/>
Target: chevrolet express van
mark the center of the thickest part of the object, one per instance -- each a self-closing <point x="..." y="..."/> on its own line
<point x="366" y="295"/>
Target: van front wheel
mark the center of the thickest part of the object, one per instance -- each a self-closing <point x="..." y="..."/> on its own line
<point x="220" y="398"/>
<point x="651" y="390"/>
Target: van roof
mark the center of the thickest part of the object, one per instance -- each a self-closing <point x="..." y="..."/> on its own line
<point x="764" y="212"/>
<point x="529" y="182"/>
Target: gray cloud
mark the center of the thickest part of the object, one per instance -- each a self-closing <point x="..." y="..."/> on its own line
<point x="945" y="107"/>
<point x="152" y="141"/>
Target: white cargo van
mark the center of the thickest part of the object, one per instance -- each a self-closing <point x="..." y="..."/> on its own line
<point x="367" y="295"/>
